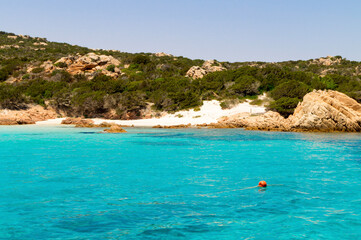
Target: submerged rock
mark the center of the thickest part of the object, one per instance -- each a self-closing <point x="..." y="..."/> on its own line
<point x="88" y="123"/>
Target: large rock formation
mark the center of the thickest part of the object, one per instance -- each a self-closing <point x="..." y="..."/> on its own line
<point x="319" y="111"/>
<point x="29" y="116"/>
<point x="207" y="67"/>
<point x="327" y="110"/>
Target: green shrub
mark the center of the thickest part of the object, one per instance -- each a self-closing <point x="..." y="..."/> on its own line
<point x="229" y="103"/>
<point x="61" y="75"/>
<point x="3" y="75"/>
<point x="25" y="76"/>
<point x="11" y="97"/>
<point x="197" y="109"/>
<point x="61" y="65"/>
<point x="284" y="106"/>
<point x="111" y="68"/>
<point x="37" y="70"/>
<point x="141" y="59"/>
<point x="257" y="102"/>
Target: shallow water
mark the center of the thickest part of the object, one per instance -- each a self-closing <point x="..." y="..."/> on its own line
<point x="69" y="183"/>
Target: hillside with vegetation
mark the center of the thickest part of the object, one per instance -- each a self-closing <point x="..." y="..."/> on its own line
<point x="78" y="81"/>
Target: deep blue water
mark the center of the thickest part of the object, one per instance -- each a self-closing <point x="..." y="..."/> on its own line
<point x="70" y="183"/>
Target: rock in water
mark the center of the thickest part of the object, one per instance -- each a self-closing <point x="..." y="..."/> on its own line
<point x="79" y="122"/>
<point x="270" y="121"/>
<point x="115" y="129"/>
<point x="5" y="121"/>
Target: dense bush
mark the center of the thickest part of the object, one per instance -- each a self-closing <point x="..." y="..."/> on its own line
<point x="61" y="65"/>
<point x="37" y="70"/>
<point x="11" y="97"/>
<point x="246" y="86"/>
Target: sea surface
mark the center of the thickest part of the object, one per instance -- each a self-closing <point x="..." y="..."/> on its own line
<point x="72" y="183"/>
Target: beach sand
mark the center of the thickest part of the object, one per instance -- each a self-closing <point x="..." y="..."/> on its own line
<point x="209" y="112"/>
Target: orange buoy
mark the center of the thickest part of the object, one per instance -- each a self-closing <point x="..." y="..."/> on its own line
<point x="262" y="184"/>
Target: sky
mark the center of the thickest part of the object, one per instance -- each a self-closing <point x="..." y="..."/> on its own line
<point x="228" y="30"/>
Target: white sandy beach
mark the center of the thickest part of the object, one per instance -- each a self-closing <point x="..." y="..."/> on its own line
<point x="210" y="112"/>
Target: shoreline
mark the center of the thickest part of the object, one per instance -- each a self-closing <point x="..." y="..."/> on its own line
<point x="209" y="113"/>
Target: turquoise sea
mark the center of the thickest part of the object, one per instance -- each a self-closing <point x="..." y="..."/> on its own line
<point x="70" y="183"/>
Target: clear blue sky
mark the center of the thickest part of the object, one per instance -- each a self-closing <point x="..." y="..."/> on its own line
<point x="228" y="30"/>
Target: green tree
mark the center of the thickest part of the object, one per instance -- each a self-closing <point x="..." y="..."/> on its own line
<point x="284" y="106"/>
<point x="290" y="89"/>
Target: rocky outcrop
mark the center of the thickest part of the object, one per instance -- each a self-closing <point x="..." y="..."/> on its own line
<point x="196" y="72"/>
<point x="207" y="67"/>
<point x="47" y="65"/>
<point x="89" y="64"/>
<point x="319" y="111"/>
<point x="162" y="54"/>
<point x="40" y="44"/>
<point x="12" y="37"/>
<point x="29" y="116"/>
<point x="327" y="61"/>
